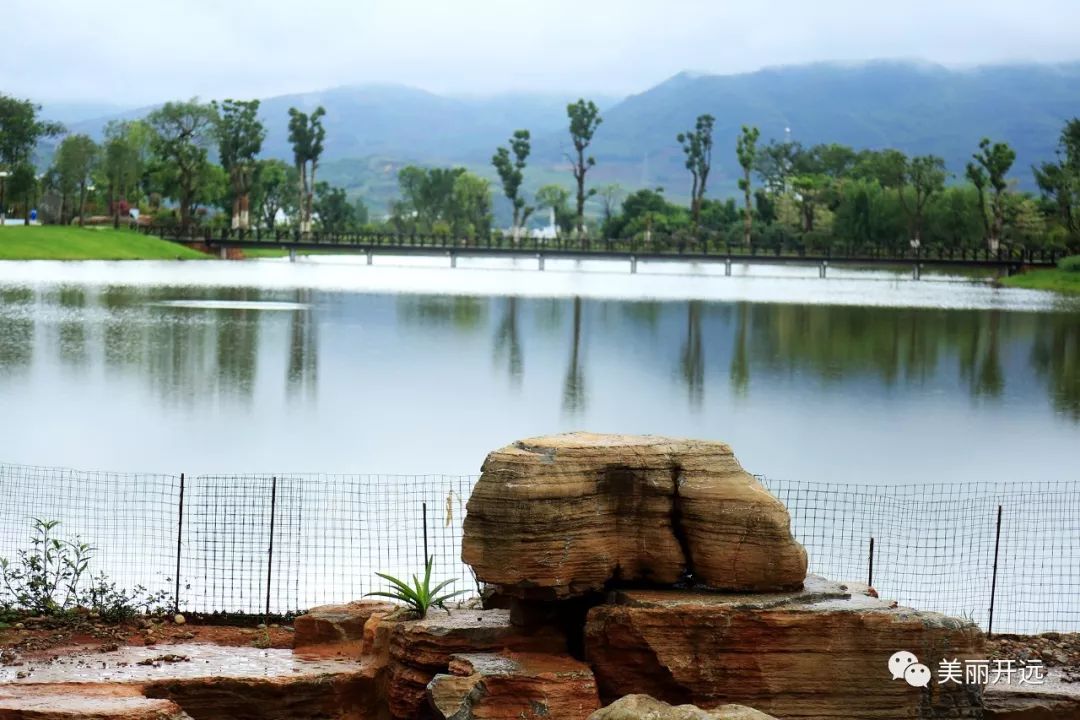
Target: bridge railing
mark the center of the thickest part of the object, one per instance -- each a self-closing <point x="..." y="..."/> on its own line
<point x="652" y="244"/>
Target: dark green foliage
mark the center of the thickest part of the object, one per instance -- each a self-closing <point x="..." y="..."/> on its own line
<point x="1070" y="264"/>
<point x="511" y="173"/>
<point x="697" y="147"/>
<point x="584" y="119"/>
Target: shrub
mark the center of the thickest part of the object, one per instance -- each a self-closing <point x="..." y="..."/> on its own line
<point x="1070" y="264"/>
<point x="52" y="578"/>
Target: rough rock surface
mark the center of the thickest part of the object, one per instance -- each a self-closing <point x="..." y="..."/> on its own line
<point x="514" y="687"/>
<point x="79" y="702"/>
<point x="564" y="515"/>
<point x="817" y="653"/>
<point x="413" y="652"/>
<point x="1056" y="699"/>
<point x="339" y="627"/>
<point x="643" y="707"/>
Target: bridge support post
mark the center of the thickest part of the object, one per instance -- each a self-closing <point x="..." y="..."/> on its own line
<point x="823" y="270"/>
<point x="633" y="264"/>
<point x="292" y="255"/>
<point x="453" y="259"/>
<point x="540" y="261"/>
<point x="727" y="267"/>
<point x="369" y="255"/>
<point x="223" y="253"/>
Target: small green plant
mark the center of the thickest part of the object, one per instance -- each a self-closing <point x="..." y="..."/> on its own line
<point x="1070" y="264"/>
<point x="52" y="578"/>
<point x="420" y="596"/>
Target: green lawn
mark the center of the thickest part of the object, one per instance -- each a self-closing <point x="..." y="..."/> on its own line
<point x="54" y="242"/>
<point x="1061" y="281"/>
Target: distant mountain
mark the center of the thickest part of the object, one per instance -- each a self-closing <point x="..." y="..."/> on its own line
<point x="915" y="107"/>
<point x="372" y="130"/>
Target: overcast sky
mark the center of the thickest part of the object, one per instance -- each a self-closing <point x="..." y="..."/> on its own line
<point x="138" y="51"/>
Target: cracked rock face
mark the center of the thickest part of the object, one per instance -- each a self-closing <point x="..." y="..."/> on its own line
<point x="565" y="515"/>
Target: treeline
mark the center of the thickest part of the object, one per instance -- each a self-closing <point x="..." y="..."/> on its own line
<point x="192" y="163"/>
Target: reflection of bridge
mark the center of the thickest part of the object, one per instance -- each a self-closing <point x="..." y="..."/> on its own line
<point x="631" y="250"/>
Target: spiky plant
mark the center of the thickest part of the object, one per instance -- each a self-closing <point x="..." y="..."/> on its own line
<point x="420" y="596"/>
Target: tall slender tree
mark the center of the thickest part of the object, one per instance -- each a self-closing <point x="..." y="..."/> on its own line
<point x="994" y="160"/>
<point x="307" y="134"/>
<point x="584" y="119"/>
<point x="746" y="151"/>
<point x="697" y="146"/>
<point x="240" y="137"/>
<point x="511" y="173"/>
<point x="123" y="160"/>
<point x="20" y="131"/>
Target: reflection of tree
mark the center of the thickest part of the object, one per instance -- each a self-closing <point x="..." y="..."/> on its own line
<point x="1055" y="355"/>
<point x="574" y="384"/>
<point x="238" y="345"/>
<point x="303" y="349"/>
<point x="980" y="356"/>
<point x="692" y="360"/>
<point x="508" y="340"/>
<point x="16" y="328"/>
<point x="72" y="332"/>
<point x="740" y="356"/>
<point x="463" y="313"/>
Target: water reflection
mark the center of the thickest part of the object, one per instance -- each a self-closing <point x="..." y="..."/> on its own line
<point x="113" y="353"/>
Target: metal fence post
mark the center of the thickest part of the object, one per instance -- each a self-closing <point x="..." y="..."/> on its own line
<point x="870" y="575"/>
<point x="270" y="551"/>
<point x="426" y="556"/>
<point x="993" y="580"/>
<point x="179" y="544"/>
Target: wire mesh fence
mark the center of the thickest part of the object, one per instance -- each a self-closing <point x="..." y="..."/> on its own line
<point x="281" y="543"/>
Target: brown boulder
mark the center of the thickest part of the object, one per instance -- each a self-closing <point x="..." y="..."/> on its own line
<point x="514" y="687"/>
<point x="819" y="653"/>
<point x="83" y="702"/>
<point x="559" y="516"/>
<point x="643" y="707"/>
<point x="418" y="650"/>
<point x="337" y="627"/>
<point x="1056" y="698"/>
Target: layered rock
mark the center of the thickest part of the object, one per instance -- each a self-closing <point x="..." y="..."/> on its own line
<point x="643" y="707"/>
<point x="82" y="702"/>
<point x="514" y="686"/>
<point x="1054" y="699"/>
<point x="337" y="628"/>
<point x="819" y="653"/>
<point x="565" y="515"/>
<point x="409" y="654"/>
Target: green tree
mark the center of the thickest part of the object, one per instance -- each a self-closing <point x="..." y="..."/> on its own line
<point x="511" y="173"/>
<point x="993" y="161"/>
<point x="336" y="213"/>
<point x="183" y="132"/>
<point x="697" y="146"/>
<point x="916" y="181"/>
<point x="274" y="191"/>
<point x="307" y="135"/>
<point x="471" y="206"/>
<point x="746" y="151"/>
<point x="240" y="136"/>
<point x="775" y="164"/>
<point x="75" y="161"/>
<point x="556" y="198"/>
<point x="23" y="185"/>
<point x="1059" y="182"/>
<point x="123" y="160"/>
<point x="610" y="197"/>
<point x="20" y="131"/>
<point x="584" y="119"/>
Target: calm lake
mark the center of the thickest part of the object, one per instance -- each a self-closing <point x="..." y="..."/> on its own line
<point x="408" y="366"/>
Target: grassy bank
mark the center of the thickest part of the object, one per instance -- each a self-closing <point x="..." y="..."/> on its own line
<point x="54" y="242"/>
<point x="1065" y="278"/>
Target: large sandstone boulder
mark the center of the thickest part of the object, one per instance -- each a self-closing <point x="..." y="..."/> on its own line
<point x="337" y="628"/>
<point x="1056" y="698"/>
<point x="514" y="686"/>
<point x="559" y="516"/>
<point x="817" y="654"/>
<point x="643" y="707"/>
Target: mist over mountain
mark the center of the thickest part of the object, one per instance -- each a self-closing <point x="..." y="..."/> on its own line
<point x="919" y="108"/>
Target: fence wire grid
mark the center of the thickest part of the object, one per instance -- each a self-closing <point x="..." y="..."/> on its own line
<point x="280" y="543"/>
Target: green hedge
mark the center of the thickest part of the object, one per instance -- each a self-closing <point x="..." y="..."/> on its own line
<point x="1070" y="264"/>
